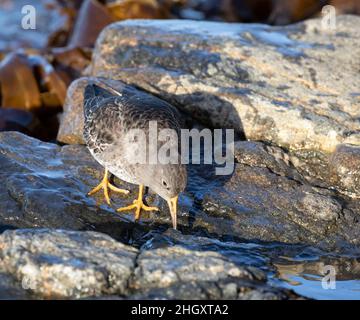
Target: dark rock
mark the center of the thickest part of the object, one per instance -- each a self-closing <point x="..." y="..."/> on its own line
<point x="18" y="120"/>
<point x="12" y="289"/>
<point x="45" y="185"/>
<point x="265" y="199"/>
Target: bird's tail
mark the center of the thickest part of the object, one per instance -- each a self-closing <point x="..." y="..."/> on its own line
<point x="93" y="95"/>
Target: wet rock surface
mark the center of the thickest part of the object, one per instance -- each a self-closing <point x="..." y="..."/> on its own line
<point x="45" y="185"/>
<point x="177" y="272"/>
<point x="232" y="228"/>
<point x="294" y="86"/>
<point x="265" y="198"/>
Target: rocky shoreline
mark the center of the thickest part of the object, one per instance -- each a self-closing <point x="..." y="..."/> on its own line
<point x="290" y="93"/>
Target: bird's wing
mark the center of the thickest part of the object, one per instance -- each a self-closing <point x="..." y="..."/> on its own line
<point x="139" y="109"/>
<point x="101" y="126"/>
<point x="108" y="116"/>
<point x="93" y="97"/>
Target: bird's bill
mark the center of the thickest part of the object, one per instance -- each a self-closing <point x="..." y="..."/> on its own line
<point x="173" y="210"/>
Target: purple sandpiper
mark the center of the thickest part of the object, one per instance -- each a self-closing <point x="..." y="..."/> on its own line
<point x="109" y="115"/>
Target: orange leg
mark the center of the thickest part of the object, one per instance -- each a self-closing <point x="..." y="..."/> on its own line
<point x="138" y="204"/>
<point x="106" y="185"/>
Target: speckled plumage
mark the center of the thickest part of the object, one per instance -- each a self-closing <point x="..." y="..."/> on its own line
<point x="109" y="116"/>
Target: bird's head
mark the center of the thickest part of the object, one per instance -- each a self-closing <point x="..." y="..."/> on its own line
<point x="167" y="180"/>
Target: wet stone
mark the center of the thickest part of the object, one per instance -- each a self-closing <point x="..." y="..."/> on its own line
<point x="265" y="198"/>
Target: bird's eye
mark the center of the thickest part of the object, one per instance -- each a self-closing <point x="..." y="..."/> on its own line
<point x="164" y="183"/>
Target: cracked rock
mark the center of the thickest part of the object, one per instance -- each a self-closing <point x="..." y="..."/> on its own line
<point x="66" y="264"/>
<point x="48" y="263"/>
<point x="164" y="267"/>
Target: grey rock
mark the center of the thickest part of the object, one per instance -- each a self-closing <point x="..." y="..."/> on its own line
<point x="178" y="264"/>
<point x="172" y="265"/>
<point x="49" y="263"/>
<point x="222" y="289"/>
<point x="267" y="198"/>
<point x="66" y="264"/>
<point x="338" y="170"/>
<point x="293" y="86"/>
<point x="345" y="168"/>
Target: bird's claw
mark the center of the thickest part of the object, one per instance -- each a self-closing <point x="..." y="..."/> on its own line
<point x="106" y="185"/>
<point x="138" y="205"/>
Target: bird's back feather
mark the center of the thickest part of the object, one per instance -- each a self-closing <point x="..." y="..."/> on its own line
<point x="94" y="96"/>
<point x="108" y="116"/>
